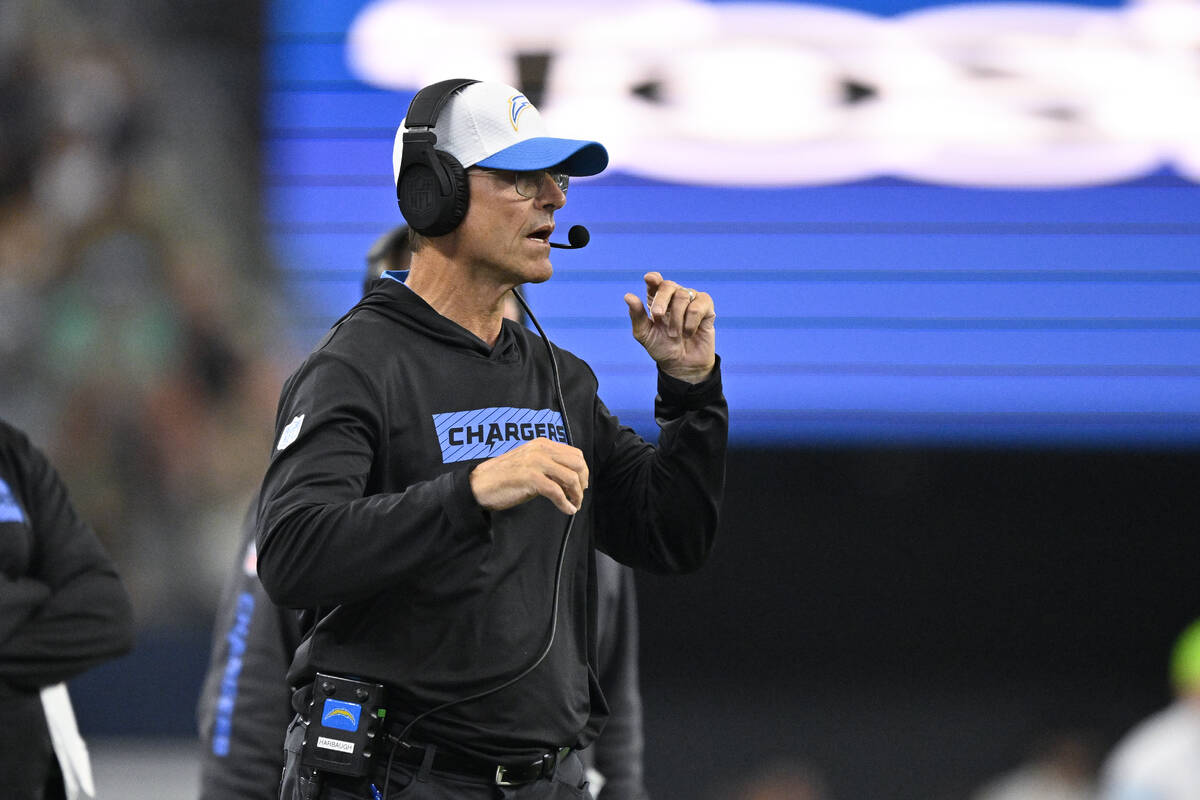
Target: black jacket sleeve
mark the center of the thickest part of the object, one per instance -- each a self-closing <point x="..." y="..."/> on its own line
<point x="244" y="705"/>
<point x="20" y="599"/>
<point x="657" y="507"/>
<point x="69" y="610"/>
<point x="313" y="512"/>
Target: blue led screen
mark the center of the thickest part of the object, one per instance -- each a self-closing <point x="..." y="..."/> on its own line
<point x="905" y="244"/>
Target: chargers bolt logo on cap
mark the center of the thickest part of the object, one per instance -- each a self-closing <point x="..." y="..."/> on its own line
<point x="516" y="104"/>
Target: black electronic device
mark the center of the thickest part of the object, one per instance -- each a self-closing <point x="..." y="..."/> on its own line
<point x="431" y="186"/>
<point x="344" y="721"/>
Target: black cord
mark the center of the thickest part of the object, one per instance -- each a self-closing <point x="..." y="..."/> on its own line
<point x="562" y="553"/>
<point x="387" y="774"/>
<point x="553" y="362"/>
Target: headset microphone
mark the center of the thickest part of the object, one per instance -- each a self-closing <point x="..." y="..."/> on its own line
<point x="578" y="237"/>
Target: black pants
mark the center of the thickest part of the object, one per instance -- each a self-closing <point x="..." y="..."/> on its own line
<point x="28" y="766"/>
<point x="410" y="782"/>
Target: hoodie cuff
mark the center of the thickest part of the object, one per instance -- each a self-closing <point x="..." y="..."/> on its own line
<point x="676" y="394"/>
<point x="462" y="508"/>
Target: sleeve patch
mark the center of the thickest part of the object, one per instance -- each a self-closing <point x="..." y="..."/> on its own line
<point x="10" y="509"/>
<point x="290" y="433"/>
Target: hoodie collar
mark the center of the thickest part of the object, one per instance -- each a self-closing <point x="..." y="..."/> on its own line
<point x="392" y="298"/>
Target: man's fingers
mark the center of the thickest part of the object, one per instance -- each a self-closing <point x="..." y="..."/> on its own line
<point x="559" y="473"/>
<point x="658" y="295"/>
<point x="671" y="304"/>
<point x="565" y="454"/>
<point x="573" y="460"/>
<point x="554" y="492"/>
<point x="680" y="302"/>
<point x="660" y="302"/>
<point x="571" y="480"/>
<point x="652" y="279"/>
<point x="637" y="316"/>
<point x="699" y="309"/>
<point x="565" y="465"/>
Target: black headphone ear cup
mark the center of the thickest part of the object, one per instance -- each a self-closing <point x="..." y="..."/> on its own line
<point x="418" y="193"/>
<point x="455" y="207"/>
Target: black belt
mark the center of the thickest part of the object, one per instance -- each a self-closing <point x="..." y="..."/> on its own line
<point x="500" y="774"/>
<point x="446" y="761"/>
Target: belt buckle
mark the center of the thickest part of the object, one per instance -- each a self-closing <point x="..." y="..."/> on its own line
<point x="500" y="781"/>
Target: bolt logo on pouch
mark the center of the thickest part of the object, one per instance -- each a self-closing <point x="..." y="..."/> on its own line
<point x="343" y="716"/>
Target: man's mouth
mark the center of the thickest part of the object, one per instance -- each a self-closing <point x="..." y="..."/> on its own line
<point x="541" y="234"/>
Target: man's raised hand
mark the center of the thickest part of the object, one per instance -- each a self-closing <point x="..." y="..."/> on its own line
<point x="676" y="327"/>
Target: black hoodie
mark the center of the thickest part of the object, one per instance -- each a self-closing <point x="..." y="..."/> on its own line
<point x="63" y="609"/>
<point x="367" y="516"/>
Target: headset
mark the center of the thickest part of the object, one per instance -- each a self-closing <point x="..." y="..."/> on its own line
<point x="431" y="187"/>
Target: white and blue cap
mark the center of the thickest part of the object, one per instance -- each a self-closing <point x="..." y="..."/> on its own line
<point x="490" y="124"/>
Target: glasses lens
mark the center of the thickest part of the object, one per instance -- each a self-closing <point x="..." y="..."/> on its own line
<point x="529" y="184"/>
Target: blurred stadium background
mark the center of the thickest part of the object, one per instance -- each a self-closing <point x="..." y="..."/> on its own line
<point x="964" y="359"/>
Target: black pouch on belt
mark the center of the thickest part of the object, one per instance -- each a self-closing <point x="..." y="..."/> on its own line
<point x="344" y="721"/>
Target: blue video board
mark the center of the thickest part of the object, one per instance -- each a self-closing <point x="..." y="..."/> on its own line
<point x="922" y="224"/>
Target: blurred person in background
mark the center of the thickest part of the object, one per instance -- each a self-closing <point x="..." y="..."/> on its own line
<point x="1160" y="758"/>
<point x="245" y="703"/>
<point x="1062" y="767"/>
<point x="63" y="610"/>
<point x="782" y="779"/>
<point x="135" y="320"/>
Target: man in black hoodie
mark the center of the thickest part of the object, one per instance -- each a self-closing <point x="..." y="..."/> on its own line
<point x="245" y="704"/>
<point x="441" y="480"/>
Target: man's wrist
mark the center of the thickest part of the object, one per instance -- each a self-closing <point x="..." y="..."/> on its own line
<point x="691" y="375"/>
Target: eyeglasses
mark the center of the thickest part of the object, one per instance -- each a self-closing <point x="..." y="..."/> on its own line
<point x="529" y="182"/>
